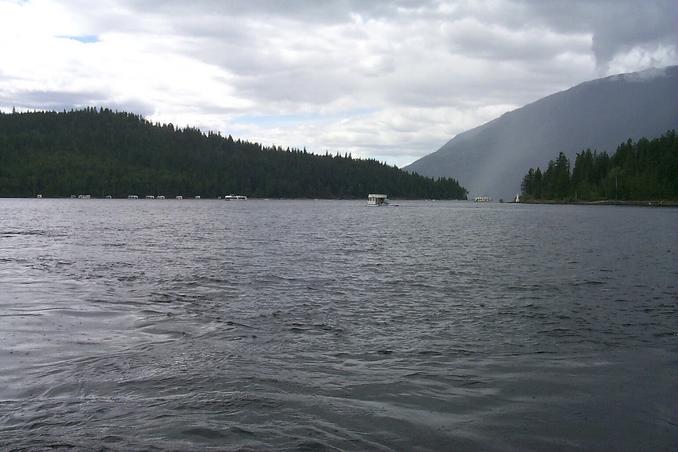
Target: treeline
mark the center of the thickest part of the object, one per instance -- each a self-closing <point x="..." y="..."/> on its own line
<point x="102" y="152"/>
<point x="644" y="170"/>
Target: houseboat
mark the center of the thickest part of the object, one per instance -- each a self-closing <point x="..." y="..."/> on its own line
<point x="376" y="199"/>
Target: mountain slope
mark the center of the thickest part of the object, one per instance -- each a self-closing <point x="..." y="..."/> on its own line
<point x="492" y="159"/>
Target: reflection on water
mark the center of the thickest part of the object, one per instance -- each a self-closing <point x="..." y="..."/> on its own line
<point x="326" y="324"/>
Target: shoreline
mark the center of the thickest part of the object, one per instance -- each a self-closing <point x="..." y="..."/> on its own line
<point x="607" y="202"/>
<point x="204" y="198"/>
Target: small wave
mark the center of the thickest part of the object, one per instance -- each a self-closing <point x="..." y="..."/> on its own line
<point x="18" y="233"/>
<point x="589" y="283"/>
<point x="203" y="432"/>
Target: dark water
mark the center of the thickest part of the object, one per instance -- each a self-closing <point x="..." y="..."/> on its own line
<point x="315" y="325"/>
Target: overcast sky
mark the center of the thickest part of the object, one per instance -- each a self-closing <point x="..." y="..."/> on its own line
<point x="389" y="80"/>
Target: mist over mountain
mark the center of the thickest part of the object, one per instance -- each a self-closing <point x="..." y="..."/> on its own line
<point x="600" y="114"/>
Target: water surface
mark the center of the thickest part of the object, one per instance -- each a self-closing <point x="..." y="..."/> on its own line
<point x="326" y="324"/>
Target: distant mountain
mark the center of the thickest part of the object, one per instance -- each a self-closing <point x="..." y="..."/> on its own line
<point x="101" y="152"/>
<point x="600" y="114"/>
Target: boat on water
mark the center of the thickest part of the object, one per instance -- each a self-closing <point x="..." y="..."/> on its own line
<point x="482" y="199"/>
<point x="377" y="199"/>
<point x="235" y="198"/>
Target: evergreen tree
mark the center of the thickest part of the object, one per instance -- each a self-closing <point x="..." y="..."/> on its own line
<point x="644" y="170"/>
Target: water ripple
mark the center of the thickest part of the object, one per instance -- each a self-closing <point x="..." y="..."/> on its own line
<point x="301" y="325"/>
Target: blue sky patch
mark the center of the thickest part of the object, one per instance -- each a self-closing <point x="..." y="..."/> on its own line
<point x="85" y="39"/>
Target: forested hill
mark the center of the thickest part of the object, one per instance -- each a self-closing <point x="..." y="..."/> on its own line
<point x="101" y="152"/>
<point x="644" y="170"/>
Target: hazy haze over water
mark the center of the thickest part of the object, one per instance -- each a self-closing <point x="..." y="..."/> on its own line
<point x="314" y="324"/>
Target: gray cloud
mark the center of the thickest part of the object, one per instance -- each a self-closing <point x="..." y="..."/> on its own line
<point x="520" y="30"/>
<point x="67" y="100"/>
<point x="309" y="11"/>
<point x="52" y="100"/>
<point x="229" y="33"/>
<point x="501" y="43"/>
<point x="616" y="25"/>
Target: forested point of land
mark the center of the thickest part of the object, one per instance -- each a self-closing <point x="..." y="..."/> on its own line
<point x="640" y="171"/>
<point x="107" y="153"/>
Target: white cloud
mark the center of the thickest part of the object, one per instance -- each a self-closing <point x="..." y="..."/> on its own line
<point x="392" y="81"/>
<point x="641" y="57"/>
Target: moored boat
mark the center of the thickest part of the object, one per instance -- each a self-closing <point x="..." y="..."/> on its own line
<point x="377" y="199"/>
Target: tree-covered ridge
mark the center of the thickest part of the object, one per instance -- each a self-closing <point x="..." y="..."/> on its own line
<point x="101" y="152"/>
<point x="644" y="170"/>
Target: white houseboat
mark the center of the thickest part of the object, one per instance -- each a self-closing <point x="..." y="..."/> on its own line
<point x="376" y="199"/>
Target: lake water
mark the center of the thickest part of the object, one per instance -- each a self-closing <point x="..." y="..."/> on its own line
<point x="313" y="325"/>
